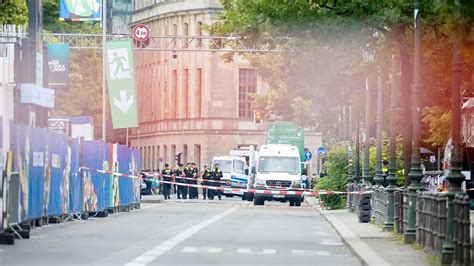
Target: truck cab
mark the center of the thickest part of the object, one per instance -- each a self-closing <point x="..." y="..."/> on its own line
<point x="235" y="172"/>
<point x="278" y="167"/>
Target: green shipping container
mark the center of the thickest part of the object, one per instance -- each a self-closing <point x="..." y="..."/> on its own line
<point x="286" y="133"/>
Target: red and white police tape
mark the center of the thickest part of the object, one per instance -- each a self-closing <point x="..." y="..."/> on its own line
<point x="297" y="192"/>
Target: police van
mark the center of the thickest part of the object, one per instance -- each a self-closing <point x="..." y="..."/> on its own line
<point x="278" y="167"/>
<point x="235" y="172"/>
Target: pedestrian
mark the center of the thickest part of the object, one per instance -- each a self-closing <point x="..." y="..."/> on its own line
<point x="181" y="190"/>
<point x="167" y="174"/>
<point x="216" y="177"/>
<point x="206" y="176"/>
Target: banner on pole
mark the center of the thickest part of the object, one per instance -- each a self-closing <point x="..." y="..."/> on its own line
<point x="121" y="83"/>
<point x="80" y="10"/>
<point x="58" y="66"/>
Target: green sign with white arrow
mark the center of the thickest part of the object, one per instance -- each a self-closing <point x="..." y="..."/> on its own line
<point x="121" y="83"/>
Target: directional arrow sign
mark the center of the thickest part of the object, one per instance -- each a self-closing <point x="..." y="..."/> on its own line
<point x="121" y="83"/>
<point x="123" y="104"/>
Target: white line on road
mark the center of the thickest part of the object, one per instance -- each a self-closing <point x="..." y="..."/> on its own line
<point x="298" y="252"/>
<point x="161" y="249"/>
<point x="266" y="251"/>
<point x="201" y="250"/>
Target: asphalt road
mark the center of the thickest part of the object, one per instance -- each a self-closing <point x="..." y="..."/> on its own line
<point x="198" y="232"/>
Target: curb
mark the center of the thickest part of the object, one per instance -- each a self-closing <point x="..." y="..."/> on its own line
<point x="366" y="255"/>
<point x="156" y="199"/>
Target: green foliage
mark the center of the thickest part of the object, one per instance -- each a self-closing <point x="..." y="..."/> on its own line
<point x="13" y="12"/>
<point x="84" y="96"/>
<point x="328" y="71"/>
<point x="386" y="156"/>
<point x="53" y="24"/>
<point x="336" y="180"/>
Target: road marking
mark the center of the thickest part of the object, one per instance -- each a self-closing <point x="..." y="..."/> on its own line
<point x="299" y="252"/>
<point x="201" y="250"/>
<point x="162" y="248"/>
<point x="266" y="251"/>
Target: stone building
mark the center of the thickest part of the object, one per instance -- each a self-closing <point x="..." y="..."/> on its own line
<point x="192" y="103"/>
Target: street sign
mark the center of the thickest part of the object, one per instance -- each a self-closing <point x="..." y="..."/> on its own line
<point x="362" y="136"/>
<point x="432" y="159"/>
<point x="121" y="83"/>
<point x="141" y="33"/>
<point x="321" y="150"/>
<point x="308" y="155"/>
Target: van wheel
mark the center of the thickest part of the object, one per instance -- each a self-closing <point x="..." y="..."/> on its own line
<point x="258" y="202"/>
<point x="250" y="197"/>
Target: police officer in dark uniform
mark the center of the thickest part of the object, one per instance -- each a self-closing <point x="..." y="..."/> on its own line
<point x="189" y="174"/>
<point x="167" y="176"/>
<point x="216" y="177"/>
<point x="181" y="190"/>
<point x="206" y="176"/>
<point x="195" y="180"/>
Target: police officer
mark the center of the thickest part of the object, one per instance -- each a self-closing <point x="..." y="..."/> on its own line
<point x="167" y="176"/>
<point x="195" y="179"/>
<point x="206" y="176"/>
<point x="189" y="174"/>
<point x="181" y="190"/>
<point x="216" y="177"/>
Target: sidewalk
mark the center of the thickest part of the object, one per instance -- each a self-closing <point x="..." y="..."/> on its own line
<point x="152" y="199"/>
<point x="369" y="243"/>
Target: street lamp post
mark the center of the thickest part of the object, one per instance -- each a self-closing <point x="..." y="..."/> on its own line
<point x="415" y="170"/>
<point x="357" y="162"/>
<point x="366" y="167"/>
<point x="378" y="165"/>
<point x="455" y="178"/>
<point x="104" y="83"/>
<point x="350" y="176"/>
<point x="392" y="176"/>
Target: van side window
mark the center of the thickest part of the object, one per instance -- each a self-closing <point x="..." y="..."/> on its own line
<point x="239" y="167"/>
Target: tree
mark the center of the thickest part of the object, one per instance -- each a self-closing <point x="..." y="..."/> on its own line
<point x="328" y="71"/>
<point x="84" y="96"/>
<point x="13" y="12"/>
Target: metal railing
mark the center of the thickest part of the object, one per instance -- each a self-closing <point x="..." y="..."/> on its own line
<point x="380" y="205"/>
<point x="462" y="231"/>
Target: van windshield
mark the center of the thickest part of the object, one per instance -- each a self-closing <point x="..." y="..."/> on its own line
<point x="289" y="165"/>
<point x="224" y="165"/>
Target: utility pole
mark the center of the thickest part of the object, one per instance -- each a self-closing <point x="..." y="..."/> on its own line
<point x="392" y="171"/>
<point x="415" y="171"/>
<point x="455" y="178"/>
<point x="104" y="83"/>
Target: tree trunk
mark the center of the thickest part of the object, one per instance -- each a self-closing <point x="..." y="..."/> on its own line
<point x="406" y="103"/>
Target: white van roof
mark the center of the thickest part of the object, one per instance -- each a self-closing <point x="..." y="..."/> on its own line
<point x="285" y="150"/>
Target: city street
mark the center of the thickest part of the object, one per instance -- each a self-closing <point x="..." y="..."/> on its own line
<point x="198" y="232"/>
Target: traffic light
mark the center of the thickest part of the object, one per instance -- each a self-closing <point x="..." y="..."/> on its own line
<point x="257" y="117"/>
<point x="177" y="158"/>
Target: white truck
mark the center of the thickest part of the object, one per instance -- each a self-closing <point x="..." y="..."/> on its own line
<point x="235" y="173"/>
<point x="278" y="167"/>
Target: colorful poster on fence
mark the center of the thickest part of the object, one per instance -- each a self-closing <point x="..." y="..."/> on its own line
<point x="58" y="66"/>
<point x="80" y="10"/>
<point x="121" y="83"/>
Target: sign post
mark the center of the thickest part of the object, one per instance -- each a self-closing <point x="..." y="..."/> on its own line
<point x="121" y="83"/>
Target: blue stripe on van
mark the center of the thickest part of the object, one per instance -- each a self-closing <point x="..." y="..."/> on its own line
<point x="237" y="179"/>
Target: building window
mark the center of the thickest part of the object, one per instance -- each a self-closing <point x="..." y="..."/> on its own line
<point x="185" y="97"/>
<point x="198" y="93"/>
<point x="247" y="87"/>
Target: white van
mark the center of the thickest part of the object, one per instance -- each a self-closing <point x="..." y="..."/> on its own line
<point x="235" y="172"/>
<point x="278" y="168"/>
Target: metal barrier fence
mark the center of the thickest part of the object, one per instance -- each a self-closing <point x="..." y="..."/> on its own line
<point x="431" y="221"/>
<point x="45" y="180"/>
<point x="462" y="231"/>
<point x="380" y="205"/>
